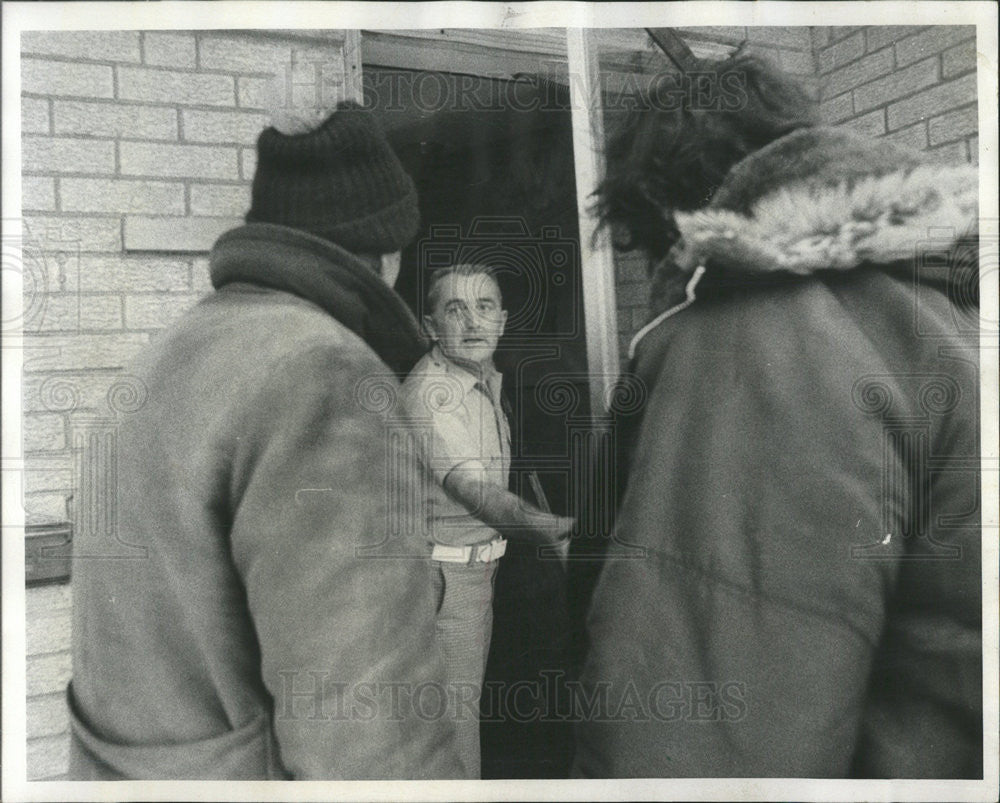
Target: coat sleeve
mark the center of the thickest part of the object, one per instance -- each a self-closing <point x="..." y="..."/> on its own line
<point x="747" y="629"/>
<point x="337" y="578"/>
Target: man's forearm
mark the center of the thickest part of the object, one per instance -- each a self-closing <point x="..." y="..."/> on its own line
<point x="505" y="512"/>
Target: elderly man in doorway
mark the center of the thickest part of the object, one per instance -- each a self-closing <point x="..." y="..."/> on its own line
<point x="454" y="395"/>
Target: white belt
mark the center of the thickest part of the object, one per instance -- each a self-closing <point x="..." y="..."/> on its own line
<point x="477" y="553"/>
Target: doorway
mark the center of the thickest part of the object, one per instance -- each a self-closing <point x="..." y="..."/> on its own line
<point x="492" y="160"/>
<point x="496" y="184"/>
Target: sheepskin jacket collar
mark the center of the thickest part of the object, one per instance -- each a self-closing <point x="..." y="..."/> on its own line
<point x="819" y="199"/>
<point x="319" y="271"/>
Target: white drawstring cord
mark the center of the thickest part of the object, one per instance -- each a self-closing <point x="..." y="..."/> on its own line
<point x="649" y="327"/>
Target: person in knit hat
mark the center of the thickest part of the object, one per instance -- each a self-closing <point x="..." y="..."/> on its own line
<point x="339" y="181"/>
<point x="270" y="614"/>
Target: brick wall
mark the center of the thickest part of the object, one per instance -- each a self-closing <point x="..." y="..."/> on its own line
<point x="137" y="148"/>
<point x="48" y="672"/>
<point x="126" y="132"/>
<point x="909" y="84"/>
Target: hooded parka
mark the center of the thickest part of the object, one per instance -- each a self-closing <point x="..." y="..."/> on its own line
<point x="793" y="588"/>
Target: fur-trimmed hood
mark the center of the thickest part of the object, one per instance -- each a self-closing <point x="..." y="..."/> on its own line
<point x="819" y="199"/>
<point x="805" y="226"/>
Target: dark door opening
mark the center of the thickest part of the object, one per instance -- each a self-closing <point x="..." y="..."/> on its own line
<point x="493" y="165"/>
<point x="496" y="183"/>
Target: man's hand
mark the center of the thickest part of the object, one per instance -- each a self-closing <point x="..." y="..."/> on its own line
<point x="548" y="528"/>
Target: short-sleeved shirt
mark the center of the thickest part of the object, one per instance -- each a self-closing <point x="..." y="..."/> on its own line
<point x="467" y="431"/>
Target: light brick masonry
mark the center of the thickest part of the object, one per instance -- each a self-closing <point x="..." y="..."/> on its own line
<point x="171" y="86"/>
<point x="913" y="85"/>
<point x="117" y="126"/>
<point x="115" y="120"/>
<point x="121" y="195"/>
<point x="169" y="49"/>
<point x="58" y="79"/>
<point x="178" y="161"/>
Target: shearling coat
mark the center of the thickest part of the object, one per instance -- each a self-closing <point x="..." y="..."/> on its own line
<point x="794" y="584"/>
<point x="268" y="612"/>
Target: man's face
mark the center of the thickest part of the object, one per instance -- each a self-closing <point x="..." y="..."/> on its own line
<point x="467" y="319"/>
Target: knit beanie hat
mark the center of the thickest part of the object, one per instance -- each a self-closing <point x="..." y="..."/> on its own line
<point x="340" y="181"/>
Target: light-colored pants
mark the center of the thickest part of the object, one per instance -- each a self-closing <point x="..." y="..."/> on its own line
<point x="464" y="594"/>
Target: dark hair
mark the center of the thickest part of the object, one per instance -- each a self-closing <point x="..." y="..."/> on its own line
<point x="667" y="157"/>
<point x="460" y="269"/>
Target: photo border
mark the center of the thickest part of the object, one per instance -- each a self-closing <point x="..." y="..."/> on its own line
<point x="18" y="17"/>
